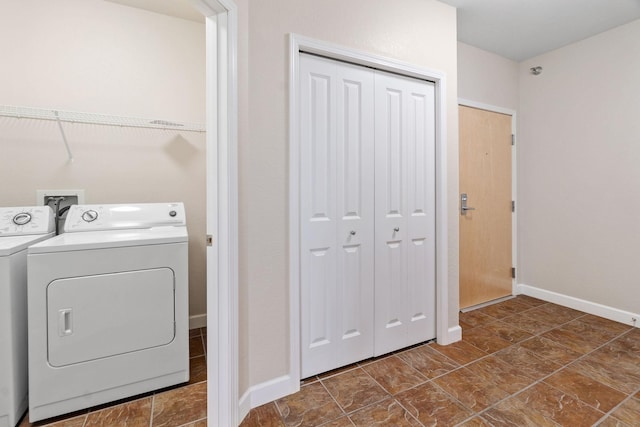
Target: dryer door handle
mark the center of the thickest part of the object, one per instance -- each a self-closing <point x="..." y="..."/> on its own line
<point x="65" y="322"/>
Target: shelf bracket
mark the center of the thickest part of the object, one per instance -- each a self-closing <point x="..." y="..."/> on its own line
<point x="64" y="136"/>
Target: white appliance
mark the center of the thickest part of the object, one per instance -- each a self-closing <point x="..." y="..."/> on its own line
<point x="19" y="228"/>
<point x="108" y="307"/>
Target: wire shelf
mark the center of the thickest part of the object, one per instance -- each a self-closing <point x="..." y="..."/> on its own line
<point x="94" y="118"/>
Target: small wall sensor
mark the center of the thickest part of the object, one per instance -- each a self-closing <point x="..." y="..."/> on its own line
<point x="536" y="70"/>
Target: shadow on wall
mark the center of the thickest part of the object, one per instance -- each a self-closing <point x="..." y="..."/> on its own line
<point x="182" y="151"/>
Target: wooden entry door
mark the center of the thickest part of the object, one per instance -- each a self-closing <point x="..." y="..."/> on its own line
<point x="485" y="232"/>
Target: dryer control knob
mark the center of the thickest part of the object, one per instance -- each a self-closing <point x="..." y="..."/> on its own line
<point x="173" y="213"/>
<point x="22" y="218"/>
<point x="90" y="216"/>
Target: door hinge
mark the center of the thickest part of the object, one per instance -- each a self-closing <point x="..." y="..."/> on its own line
<point x="513" y="139"/>
<point x="209" y="240"/>
<point x="513" y="206"/>
<point x="513" y="272"/>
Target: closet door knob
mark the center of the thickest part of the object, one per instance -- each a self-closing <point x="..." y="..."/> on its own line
<point x="396" y="229"/>
<point x="353" y="233"/>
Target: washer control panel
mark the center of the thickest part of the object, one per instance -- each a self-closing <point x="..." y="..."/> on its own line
<point x="125" y="216"/>
<point x="26" y="220"/>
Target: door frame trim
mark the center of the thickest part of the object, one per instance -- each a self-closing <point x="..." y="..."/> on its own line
<point x="297" y="44"/>
<point x="514" y="217"/>
<point x="221" y="22"/>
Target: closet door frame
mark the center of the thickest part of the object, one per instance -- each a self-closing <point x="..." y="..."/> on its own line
<point x="299" y="44"/>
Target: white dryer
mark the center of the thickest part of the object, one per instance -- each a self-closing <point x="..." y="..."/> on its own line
<point x="108" y="307"/>
<point x="19" y="228"/>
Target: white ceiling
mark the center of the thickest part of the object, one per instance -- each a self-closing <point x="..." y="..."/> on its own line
<point x="514" y="29"/>
<point x="177" y="8"/>
<point x="522" y="29"/>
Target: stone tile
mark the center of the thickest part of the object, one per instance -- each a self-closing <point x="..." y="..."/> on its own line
<point x="199" y="423"/>
<point x="504" y="309"/>
<point x="197" y="369"/>
<point x="180" y="406"/>
<point x="340" y="422"/>
<point x="461" y="352"/>
<point x="470" y="389"/>
<point x="508" y="332"/>
<point x="195" y="333"/>
<point x="586" y="389"/>
<point x="62" y="421"/>
<point x="513" y="412"/>
<point x="354" y="390"/>
<point x="475" y="422"/>
<point x="527" y="323"/>
<point x="495" y="371"/>
<point x="307" y="381"/>
<point x="619" y="365"/>
<point x="600" y="323"/>
<point x="338" y="371"/>
<point x="385" y="413"/>
<point x="606" y="374"/>
<point x="263" y="416"/>
<point x="553" y="314"/>
<point x="131" y="414"/>
<point x="475" y="318"/>
<point x="628" y="412"/>
<point x="204" y="331"/>
<point x="394" y="375"/>
<point x="612" y="422"/>
<point x="629" y="342"/>
<point x="530" y="301"/>
<point x="196" y="347"/>
<point x="428" y="361"/>
<point x="311" y="406"/>
<point x="558" y="406"/>
<point x="485" y="340"/>
<point x="550" y="350"/>
<point x="431" y="406"/>
<point x="579" y="336"/>
<point x="529" y="363"/>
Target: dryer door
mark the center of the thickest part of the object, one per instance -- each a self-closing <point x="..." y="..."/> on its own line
<point x="93" y="317"/>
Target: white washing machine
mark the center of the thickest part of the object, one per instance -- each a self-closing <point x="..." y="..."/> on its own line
<point x="19" y="228"/>
<point x="108" y="307"/>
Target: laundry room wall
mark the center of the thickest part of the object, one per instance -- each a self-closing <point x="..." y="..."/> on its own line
<point x="101" y="57"/>
<point x="578" y="173"/>
<point x="420" y="32"/>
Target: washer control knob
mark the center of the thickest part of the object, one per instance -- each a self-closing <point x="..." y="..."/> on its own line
<point x="22" y="218"/>
<point x="173" y="213"/>
<point x="90" y="216"/>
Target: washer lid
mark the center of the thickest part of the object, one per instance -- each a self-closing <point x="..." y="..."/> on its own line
<point x="111" y="239"/>
<point x="13" y="244"/>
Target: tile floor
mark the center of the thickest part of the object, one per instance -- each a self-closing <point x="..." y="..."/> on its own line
<point x="181" y="406"/>
<point x="522" y="362"/>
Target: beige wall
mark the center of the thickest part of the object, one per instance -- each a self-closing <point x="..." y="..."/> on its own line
<point x="97" y="56"/>
<point x="579" y="170"/>
<point x="421" y="32"/>
<point x="487" y="78"/>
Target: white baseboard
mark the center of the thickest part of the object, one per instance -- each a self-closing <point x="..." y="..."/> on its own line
<point x="266" y="392"/>
<point x="594" y="308"/>
<point x="454" y="334"/>
<point x="197" y="321"/>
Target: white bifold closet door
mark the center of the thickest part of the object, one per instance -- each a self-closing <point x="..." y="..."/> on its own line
<point x="336" y="171"/>
<point x="367" y="168"/>
<point x="404" y="212"/>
